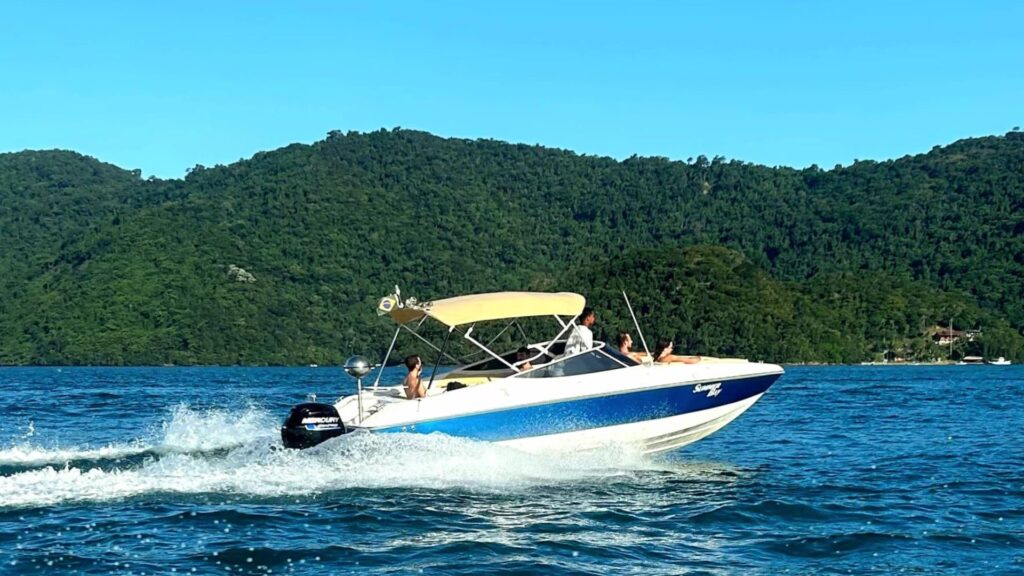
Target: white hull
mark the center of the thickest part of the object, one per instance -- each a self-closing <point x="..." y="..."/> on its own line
<point x="651" y="409"/>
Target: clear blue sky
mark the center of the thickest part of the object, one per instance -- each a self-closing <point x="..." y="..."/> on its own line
<point x="162" y="86"/>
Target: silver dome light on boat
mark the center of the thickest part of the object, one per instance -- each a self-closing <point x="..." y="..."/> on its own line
<point x="357" y="367"/>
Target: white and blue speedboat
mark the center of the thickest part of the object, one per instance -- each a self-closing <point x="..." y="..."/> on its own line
<point x="578" y="401"/>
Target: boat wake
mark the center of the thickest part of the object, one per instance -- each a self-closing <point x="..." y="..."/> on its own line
<point x="185" y="431"/>
<point x="239" y="455"/>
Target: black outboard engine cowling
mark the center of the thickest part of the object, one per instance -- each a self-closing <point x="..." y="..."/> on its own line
<point x="310" y="424"/>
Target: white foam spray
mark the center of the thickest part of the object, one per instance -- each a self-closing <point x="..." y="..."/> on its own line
<point x="220" y="452"/>
<point x="185" y="430"/>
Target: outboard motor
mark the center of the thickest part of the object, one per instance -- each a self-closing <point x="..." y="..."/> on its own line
<point x="310" y="424"/>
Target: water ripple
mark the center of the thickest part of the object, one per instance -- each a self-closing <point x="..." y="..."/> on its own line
<point x="866" y="470"/>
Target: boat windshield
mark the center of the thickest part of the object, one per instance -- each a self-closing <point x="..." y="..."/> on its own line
<point x="511" y="357"/>
<point x="598" y="359"/>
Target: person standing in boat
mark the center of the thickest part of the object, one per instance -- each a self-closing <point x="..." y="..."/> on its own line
<point x="414" y="387"/>
<point x="582" y="337"/>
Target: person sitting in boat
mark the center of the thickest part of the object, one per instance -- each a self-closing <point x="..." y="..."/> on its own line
<point x="523" y="359"/>
<point x="663" y="354"/>
<point x="581" y="338"/>
<point x="414" y="387"/>
<point x="625" y="341"/>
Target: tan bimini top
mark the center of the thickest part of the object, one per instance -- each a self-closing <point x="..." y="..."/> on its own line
<point x="493" y="306"/>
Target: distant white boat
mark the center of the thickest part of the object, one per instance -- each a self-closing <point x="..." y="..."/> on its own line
<point x="971" y="360"/>
<point x="1000" y="362"/>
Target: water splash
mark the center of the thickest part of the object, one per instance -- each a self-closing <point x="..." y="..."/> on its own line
<point x="190" y="430"/>
<point x="185" y="430"/>
<point x="238" y="453"/>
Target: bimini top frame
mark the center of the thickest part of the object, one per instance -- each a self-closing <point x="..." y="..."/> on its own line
<point x="463" y="310"/>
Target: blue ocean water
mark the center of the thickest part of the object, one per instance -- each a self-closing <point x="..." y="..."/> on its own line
<point x="837" y="470"/>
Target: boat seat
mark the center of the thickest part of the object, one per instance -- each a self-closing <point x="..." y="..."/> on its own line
<point x="442" y="383"/>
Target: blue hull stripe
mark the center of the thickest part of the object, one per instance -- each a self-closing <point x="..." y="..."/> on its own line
<point x="587" y="413"/>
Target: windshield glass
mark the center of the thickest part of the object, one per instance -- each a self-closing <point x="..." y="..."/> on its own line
<point x="585" y="363"/>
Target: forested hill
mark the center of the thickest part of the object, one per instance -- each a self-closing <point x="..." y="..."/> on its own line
<point x="282" y="257"/>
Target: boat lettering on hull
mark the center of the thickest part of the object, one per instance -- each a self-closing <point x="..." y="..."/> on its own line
<point x="712" y="389"/>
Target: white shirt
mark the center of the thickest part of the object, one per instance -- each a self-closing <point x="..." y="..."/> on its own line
<point x="580" y="339"/>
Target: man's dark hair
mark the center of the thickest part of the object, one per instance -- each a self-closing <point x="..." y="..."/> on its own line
<point x="587" y="312"/>
<point x="411" y="361"/>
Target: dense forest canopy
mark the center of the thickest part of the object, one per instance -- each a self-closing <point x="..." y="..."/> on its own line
<point x="280" y="259"/>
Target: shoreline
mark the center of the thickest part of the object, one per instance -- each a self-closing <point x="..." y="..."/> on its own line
<point x="339" y="366"/>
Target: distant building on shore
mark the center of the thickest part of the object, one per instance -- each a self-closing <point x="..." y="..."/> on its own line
<point x="945" y="336"/>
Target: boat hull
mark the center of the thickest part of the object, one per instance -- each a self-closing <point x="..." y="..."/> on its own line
<point x="653" y="419"/>
<point x="649" y="436"/>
